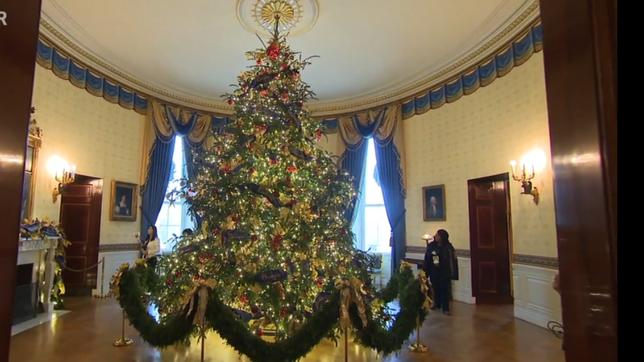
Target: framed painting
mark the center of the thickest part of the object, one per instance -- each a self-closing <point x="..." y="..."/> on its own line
<point x="434" y="203"/>
<point x="123" y="201"/>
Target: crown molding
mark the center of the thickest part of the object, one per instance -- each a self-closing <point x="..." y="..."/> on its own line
<point x="525" y="16"/>
<point x="484" y="49"/>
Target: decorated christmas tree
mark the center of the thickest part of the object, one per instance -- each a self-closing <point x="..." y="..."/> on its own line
<point x="273" y="235"/>
<point x="273" y="250"/>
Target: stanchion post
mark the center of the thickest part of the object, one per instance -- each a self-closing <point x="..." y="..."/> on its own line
<point x="102" y="275"/>
<point x="346" y="345"/>
<point x="203" y="339"/>
<point x="418" y="347"/>
<point x="123" y="341"/>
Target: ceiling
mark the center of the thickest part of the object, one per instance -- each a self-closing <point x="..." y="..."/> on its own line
<point x="193" y="50"/>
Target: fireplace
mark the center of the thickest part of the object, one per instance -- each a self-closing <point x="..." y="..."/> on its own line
<point x="25" y="305"/>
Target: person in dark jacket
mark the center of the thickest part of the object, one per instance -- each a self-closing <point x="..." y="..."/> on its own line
<point x="441" y="266"/>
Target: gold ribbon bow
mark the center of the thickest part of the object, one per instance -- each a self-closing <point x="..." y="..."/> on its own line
<point x="405" y="265"/>
<point x="424" y="289"/>
<point x="199" y="294"/>
<point x="351" y="291"/>
<point x="115" y="283"/>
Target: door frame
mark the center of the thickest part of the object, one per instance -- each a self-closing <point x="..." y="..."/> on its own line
<point x="505" y="177"/>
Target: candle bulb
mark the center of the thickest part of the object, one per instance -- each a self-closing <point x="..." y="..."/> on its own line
<point x="523" y="170"/>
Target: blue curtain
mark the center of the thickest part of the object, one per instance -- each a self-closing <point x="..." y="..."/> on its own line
<point x="156" y="183"/>
<point x="388" y="163"/>
<point x="389" y="172"/>
<point x="353" y="161"/>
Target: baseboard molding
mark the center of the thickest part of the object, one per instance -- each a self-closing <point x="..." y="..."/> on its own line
<point x="463" y="295"/>
<point x="533" y="316"/>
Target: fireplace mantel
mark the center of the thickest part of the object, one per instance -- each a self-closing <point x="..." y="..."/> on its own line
<point x="40" y="252"/>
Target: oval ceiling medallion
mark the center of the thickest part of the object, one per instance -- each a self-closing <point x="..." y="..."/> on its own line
<point x="296" y="16"/>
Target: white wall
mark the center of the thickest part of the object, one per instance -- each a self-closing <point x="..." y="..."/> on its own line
<point x="477" y="136"/>
<point x="474" y="137"/>
<point x="103" y="139"/>
<point x="535" y="300"/>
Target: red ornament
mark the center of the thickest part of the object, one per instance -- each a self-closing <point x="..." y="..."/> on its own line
<point x="274" y="161"/>
<point x="284" y="66"/>
<point x="277" y="241"/>
<point x="261" y="128"/>
<point x="169" y="282"/>
<point x="320" y="282"/>
<point x="231" y="102"/>
<point x="283" y="312"/>
<point x="273" y="50"/>
<point x="243" y="299"/>
<point x="291" y="169"/>
<point x="260" y="332"/>
<point x="285" y="96"/>
<point x="263" y="92"/>
<point x="204" y="258"/>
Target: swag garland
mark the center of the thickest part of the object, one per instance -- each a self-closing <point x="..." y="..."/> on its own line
<point x="129" y="285"/>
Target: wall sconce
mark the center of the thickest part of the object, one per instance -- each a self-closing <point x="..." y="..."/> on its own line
<point x="64" y="174"/>
<point x="525" y="180"/>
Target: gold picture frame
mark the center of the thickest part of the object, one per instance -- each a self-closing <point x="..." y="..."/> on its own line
<point x="34" y="142"/>
<point x="434" y="203"/>
<point x="123" y="201"/>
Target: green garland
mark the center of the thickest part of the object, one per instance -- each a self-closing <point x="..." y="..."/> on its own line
<point x="237" y="335"/>
<point x="172" y="330"/>
<point x="221" y="318"/>
<point x="411" y="301"/>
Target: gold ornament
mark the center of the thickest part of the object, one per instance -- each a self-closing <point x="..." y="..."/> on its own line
<point x="229" y="224"/>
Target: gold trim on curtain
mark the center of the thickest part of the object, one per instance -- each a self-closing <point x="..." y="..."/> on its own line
<point x="149" y="135"/>
<point x="391" y="125"/>
<point x="160" y="120"/>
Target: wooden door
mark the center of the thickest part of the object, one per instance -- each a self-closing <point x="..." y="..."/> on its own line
<point x="580" y="63"/>
<point x="489" y="239"/>
<point x="80" y="215"/>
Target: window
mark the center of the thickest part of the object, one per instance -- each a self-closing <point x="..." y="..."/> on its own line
<point x="174" y="218"/>
<point x="371" y="226"/>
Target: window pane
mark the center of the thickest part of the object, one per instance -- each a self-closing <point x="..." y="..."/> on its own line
<point x="372" y="191"/>
<point x="377" y="230"/>
<point x="173" y="218"/>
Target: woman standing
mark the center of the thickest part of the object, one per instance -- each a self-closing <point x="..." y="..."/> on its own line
<point x="441" y="266"/>
<point x="152" y="246"/>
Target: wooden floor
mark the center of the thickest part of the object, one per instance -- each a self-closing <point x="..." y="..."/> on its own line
<point x="471" y="333"/>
